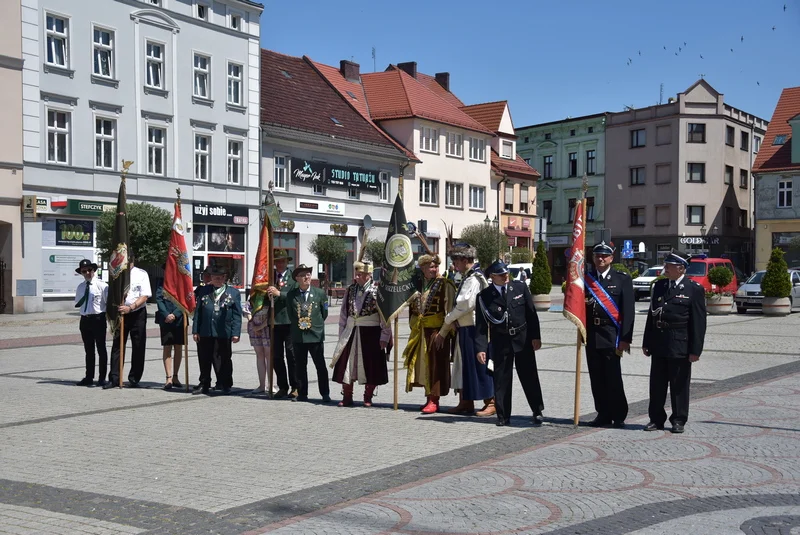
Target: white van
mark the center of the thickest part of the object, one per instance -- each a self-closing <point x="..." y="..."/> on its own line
<point x="520" y="272"/>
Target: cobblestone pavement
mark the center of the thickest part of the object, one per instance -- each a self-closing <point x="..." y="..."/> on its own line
<point x="145" y="460"/>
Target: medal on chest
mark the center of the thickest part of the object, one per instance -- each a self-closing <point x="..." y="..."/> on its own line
<point x="304" y="315"/>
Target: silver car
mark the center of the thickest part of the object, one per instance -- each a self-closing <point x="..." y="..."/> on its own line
<point x="749" y="296"/>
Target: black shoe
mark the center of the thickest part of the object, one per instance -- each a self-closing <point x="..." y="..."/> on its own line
<point x="168" y="386"/>
<point x="653" y="426"/>
<point x="281" y="393"/>
<point x="110" y="384"/>
<point x="326" y="399"/>
<point x="200" y="389"/>
<point x="85" y="382"/>
<point x="133" y="384"/>
<point x="175" y="382"/>
<point x="537" y="420"/>
<point x="618" y="425"/>
<point x="101" y="382"/>
<point x="677" y="428"/>
<point x="599" y="422"/>
<point x="503" y="423"/>
<point x="197" y="388"/>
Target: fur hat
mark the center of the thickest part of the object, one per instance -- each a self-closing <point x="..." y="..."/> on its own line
<point x="427" y="259"/>
<point x="463" y="250"/>
<point x="362" y="267"/>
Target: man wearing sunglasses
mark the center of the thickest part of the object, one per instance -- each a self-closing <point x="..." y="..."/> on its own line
<point x="90" y="299"/>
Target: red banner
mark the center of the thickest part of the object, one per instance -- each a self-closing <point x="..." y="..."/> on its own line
<point x="177" y="274"/>
<point x="574" y="296"/>
<point x="262" y="270"/>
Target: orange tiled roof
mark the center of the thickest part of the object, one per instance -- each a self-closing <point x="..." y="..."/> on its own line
<point x="488" y="114"/>
<point x="394" y="94"/>
<point x="430" y="82"/>
<point x="516" y="168"/>
<point x="779" y="157"/>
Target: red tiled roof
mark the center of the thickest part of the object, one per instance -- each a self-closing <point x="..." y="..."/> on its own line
<point x="394" y="94"/>
<point x="430" y="82"/>
<point x="488" y="114"/>
<point x="305" y="101"/>
<point x="779" y="157"/>
<point x="517" y="168"/>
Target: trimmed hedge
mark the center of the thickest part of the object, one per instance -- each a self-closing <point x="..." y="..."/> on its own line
<point x="776" y="281"/>
<point x="541" y="282"/>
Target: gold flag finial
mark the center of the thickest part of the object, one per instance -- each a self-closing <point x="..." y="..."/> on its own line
<point x="126" y="165"/>
<point x="178" y="191"/>
<point x="585" y="185"/>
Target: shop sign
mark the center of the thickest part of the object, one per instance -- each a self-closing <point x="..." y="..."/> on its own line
<point x="29" y="205"/>
<point x="89" y="208"/>
<point x="310" y="172"/>
<point x="221" y="214"/>
<point x="699" y="240"/>
<point x="320" y="207"/>
<point x="74" y="232"/>
<point x="784" y="238"/>
<point x="58" y="270"/>
<point x="557" y="240"/>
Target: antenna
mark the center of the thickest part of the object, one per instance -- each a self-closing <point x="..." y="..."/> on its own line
<point x="661" y="93"/>
<point x="373" y="59"/>
<point x="702" y="76"/>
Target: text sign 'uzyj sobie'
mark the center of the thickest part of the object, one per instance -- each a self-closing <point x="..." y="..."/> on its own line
<point x="337" y="176"/>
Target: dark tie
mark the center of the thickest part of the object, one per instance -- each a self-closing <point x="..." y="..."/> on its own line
<point x="672" y="285"/>
<point x="303" y="294"/>
<point x="503" y="292"/>
<point x="85" y="299"/>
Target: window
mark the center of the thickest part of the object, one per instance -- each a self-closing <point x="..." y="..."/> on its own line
<point x="638" y="138"/>
<point x="155" y="65"/>
<point x="235" y="84"/>
<point x="477" y="149"/>
<point x="728" y="174"/>
<point x="589" y="208"/>
<point x="696" y="172"/>
<point x="637" y="217"/>
<point x="527" y="160"/>
<point x="234" y="21"/>
<point x="637" y="176"/>
<point x="664" y="134"/>
<point x="202" y="68"/>
<point x="455" y="144"/>
<point x="58" y="123"/>
<point x="662" y="215"/>
<point x="547" y="136"/>
<point x="730" y="133"/>
<point x="573" y="164"/>
<point x="571" y="210"/>
<point x="318" y="189"/>
<point x="745" y="145"/>
<point x="477" y="197"/>
<point x="428" y="191"/>
<point x="572" y="133"/>
<point x="507" y="150"/>
<point x="663" y="173"/>
<point x="523" y="199"/>
<point x="104" y="137"/>
<point x="527" y="139"/>
<point x="695" y="215"/>
<point x="57" y="41"/>
<point x="429" y="139"/>
<point x="744" y="179"/>
<point x="103" y="52"/>
<point x="697" y="133"/>
<point x="784" y="194"/>
<point x="780" y="139"/>
<point x="383" y="186"/>
<point x="234" y="162"/>
<point x="547" y="168"/>
<point x="201" y="11"/>
<point x="353" y="193"/>
<point x="756" y="144"/>
<point x="728" y="219"/>
<point x="156" y="150"/>
<point x="743" y="218"/>
<point x="590" y="162"/>
<point x="202" y="155"/>
<point x="279" y="173"/>
<point x="591" y="129"/>
<point x="508" y="205"/>
<point x="547" y="211"/>
<point x="452" y="195"/>
<point x="154" y="2"/>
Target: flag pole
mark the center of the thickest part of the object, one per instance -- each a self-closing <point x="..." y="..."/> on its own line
<point x="186" y="350"/>
<point x="121" y="347"/>
<point x="396" y="319"/>
<point x="579" y="344"/>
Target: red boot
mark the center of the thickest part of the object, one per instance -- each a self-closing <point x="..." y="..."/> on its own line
<point x="347" y="391"/>
<point x="432" y="405"/>
<point x="369" y="391"/>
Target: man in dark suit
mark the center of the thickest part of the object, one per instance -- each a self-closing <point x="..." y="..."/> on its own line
<point x="610" y="315"/>
<point x="282" y="339"/>
<point x="673" y="336"/>
<point x="307" y="308"/>
<point x="505" y="316"/>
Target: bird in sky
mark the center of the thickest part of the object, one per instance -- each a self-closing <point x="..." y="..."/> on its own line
<point x="701" y="56"/>
<point x="731" y="50"/>
<point x="742" y="40"/>
<point x="676" y="53"/>
<point x="665" y="48"/>
<point x="784" y="7"/>
<point x="640" y="52"/>
<point x="758" y="83"/>
<point x="679" y="49"/>
<point x="773" y="28"/>
<point x="684" y="43"/>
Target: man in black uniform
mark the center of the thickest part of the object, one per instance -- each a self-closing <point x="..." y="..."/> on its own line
<point x="609" y="330"/>
<point x="506" y="317"/>
<point x="673" y="336"/>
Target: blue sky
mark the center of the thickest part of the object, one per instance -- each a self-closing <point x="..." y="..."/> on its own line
<point x="558" y="58"/>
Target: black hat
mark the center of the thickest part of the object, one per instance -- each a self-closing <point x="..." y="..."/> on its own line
<point x="497" y="268"/>
<point x="603" y="248"/>
<point x="677" y="258"/>
<point x="299" y="270"/>
<point x="217" y="269"/>
<point x="84" y="264"/>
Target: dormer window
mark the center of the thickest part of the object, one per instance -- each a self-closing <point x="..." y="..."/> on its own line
<point x="780" y="139"/>
<point x="507" y="150"/>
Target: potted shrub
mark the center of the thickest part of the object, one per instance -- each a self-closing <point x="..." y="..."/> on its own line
<point x="541" y="283"/>
<point x="776" y="285"/>
<point x="718" y="301"/>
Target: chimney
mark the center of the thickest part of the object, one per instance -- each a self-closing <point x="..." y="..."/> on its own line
<point x="443" y="79"/>
<point x="410" y="67"/>
<point x="349" y="70"/>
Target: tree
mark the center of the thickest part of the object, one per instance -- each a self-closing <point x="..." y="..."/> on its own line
<point x="776" y="281"/>
<point x="374" y="251"/>
<point x="541" y="282"/>
<point x="521" y="255"/>
<point x="486" y="239"/>
<point x="149" y="228"/>
<point x="719" y="277"/>
<point x="328" y="250"/>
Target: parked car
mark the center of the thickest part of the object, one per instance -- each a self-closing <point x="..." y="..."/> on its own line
<point x="699" y="267"/>
<point x="749" y="296"/>
<point x="642" y="283"/>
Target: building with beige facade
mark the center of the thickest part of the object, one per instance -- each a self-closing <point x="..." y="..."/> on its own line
<point x="11" y="63"/>
<point x="678" y="175"/>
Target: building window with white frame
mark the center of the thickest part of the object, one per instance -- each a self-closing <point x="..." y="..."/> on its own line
<point x="508" y="193"/>
<point x="156" y="150"/>
<point x="103" y="52"/>
<point x="155" y="65"/>
<point x="455" y="144"/>
<point x="234" y="161"/>
<point x="477" y="149"/>
<point x="202" y="156"/>
<point x="57" y="32"/>
<point x="383" y="186"/>
<point x="523" y="199"/>
<point x="695" y="215"/>
<point x="453" y="194"/>
<point x="507" y="150"/>
<point x="234" y="21"/>
<point x="428" y="191"/>
<point x="477" y="198"/>
<point x="784" y="194"/>
<point x="105" y="130"/>
<point x="279" y="174"/>
<point x="428" y="139"/>
<point x="202" y="74"/>
<point x="235" y="84"/>
<point x="201" y="11"/>
<point x="58" y="125"/>
<point x="353" y="193"/>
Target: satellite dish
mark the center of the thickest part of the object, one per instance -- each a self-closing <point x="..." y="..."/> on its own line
<point x="367" y="222"/>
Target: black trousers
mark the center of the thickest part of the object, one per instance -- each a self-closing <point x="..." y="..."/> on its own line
<point x="215" y="352"/>
<point x="317" y="352"/>
<point x="605" y="373"/>
<point x="284" y="340"/>
<point x="677" y="374"/>
<point x="136" y="328"/>
<point x="504" y="359"/>
<point x="93" y="334"/>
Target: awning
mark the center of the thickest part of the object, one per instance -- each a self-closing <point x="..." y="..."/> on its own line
<point x="518" y="233"/>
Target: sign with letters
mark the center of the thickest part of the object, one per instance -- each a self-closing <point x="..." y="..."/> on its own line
<point x="221" y="214"/>
<point x="337" y="176"/>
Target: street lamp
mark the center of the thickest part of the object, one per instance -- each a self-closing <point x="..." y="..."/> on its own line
<point x="495" y="221"/>
<point x="486" y="221"/>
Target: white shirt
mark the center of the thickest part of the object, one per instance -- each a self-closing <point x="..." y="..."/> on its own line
<point x="604" y="274"/>
<point x="677" y="281"/>
<point x="98" y="295"/>
<point x="140" y="286"/>
<point x="499" y="289"/>
<point x="464" y="308"/>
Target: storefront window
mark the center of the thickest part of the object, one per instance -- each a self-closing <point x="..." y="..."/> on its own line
<point x="65" y="242"/>
<point x="210" y="243"/>
<point x="288" y="241"/>
<point x="341" y="273"/>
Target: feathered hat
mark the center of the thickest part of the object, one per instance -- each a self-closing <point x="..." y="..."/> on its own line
<point x="360" y="265"/>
